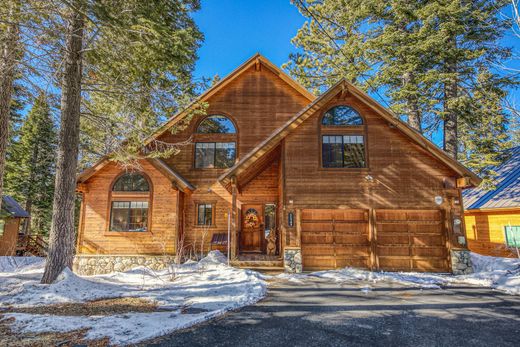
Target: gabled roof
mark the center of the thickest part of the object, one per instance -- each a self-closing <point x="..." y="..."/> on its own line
<point x="343" y="86"/>
<point x="255" y="60"/>
<point x="507" y="183"/>
<point x="182" y="183"/>
<point x="10" y="206"/>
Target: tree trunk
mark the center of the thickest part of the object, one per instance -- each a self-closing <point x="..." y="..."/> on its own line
<point x="62" y="235"/>
<point x="450" y="114"/>
<point x="413" y="111"/>
<point x="9" y="42"/>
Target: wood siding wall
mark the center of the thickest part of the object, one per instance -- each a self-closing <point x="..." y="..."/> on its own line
<point x="258" y="102"/>
<point x="404" y="175"/>
<point x="94" y="236"/>
<point x="485" y="231"/>
<point x="9" y="239"/>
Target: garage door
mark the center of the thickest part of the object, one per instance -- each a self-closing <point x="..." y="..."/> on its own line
<point x="403" y="240"/>
<point x="335" y="239"/>
<point x="412" y="240"/>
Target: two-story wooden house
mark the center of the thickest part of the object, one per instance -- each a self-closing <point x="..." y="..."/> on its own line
<point x="299" y="181"/>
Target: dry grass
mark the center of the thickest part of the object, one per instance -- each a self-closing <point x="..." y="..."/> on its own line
<point x="103" y="307"/>
<point x="10" y="337"/>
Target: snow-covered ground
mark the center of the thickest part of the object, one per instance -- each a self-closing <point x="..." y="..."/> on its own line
<point x="500" y="273"/>
<point x="194" y="292"/>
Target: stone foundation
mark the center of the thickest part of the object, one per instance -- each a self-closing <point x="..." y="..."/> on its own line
<point x="292" y="260"/>
<point x="461" y="262"/>
<point x="88" y="265"/>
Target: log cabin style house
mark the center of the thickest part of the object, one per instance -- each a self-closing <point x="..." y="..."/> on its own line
<point x="300" y="182"/>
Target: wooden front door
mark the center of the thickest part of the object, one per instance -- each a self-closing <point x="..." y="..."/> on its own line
<point x="252" y="228"/>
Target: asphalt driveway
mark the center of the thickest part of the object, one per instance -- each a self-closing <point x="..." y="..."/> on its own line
<point x="319" y="312"/>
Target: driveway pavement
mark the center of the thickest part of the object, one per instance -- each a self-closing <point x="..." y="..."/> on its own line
<point x="319" y="312"/>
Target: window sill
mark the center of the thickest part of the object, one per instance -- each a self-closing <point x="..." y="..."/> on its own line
<point x="205" y="226"/>
<point x="126" y="233"/>
<point x="349" y="169"/>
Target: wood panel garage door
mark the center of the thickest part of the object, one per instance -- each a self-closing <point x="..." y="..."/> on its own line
<point x="401" y="240"/>
<point x="412" y="240"/>
<point x="334" y="239"/>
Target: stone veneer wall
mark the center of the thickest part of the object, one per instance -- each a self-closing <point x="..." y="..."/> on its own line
<point x="88" y="265"/>
<point x="292" y="260"/>
<point x="461" y="262"/>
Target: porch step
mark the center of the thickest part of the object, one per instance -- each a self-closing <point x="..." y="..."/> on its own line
<point x="266" y="270"/>
<point x="249" y="264"/>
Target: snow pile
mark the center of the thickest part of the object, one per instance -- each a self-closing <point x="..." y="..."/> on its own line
<point x="192" y="293"/>
<point x="11" y="264"/>
<point x="499" y="273"/>
<point x="503" y="273"/>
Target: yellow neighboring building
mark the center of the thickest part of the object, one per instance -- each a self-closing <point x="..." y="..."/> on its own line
<point x="492" y="217"/>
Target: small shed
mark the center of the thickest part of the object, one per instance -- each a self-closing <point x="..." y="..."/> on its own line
<point x="11" y="216"/>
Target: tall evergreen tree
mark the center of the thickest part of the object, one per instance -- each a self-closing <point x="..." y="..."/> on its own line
<point x="485" y="132"/>
<point x="30" y="174"/>
<point x="132" y="56"/>
<point x="425" y="55"/>
<point x="9" y="54"/>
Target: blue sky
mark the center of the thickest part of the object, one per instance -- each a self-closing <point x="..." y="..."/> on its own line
<point x="236" y="29"/>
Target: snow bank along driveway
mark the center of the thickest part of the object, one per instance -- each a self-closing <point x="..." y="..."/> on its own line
<point x="192" y="293"/>
<point x="499" y="273"/>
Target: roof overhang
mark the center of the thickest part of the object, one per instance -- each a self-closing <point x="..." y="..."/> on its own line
<point x="180" y="182"/>
<point x="255" y="61"/>
<point x="343" y="87"/>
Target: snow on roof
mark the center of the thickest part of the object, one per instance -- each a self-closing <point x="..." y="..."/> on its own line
<point x="507" y="191"/>
<point x="10" y="206"/>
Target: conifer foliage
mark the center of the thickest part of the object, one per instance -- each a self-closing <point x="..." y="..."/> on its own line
<point x="433" y="61"/>
<point x="30" y="166"/>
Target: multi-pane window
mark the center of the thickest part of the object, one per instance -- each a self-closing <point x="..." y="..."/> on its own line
<point x="343" y="151"/>
<point x="131" y="182"/>
<point x="205" y="214"/>
<point x="129" y="216"/>
<point x="214" y="155"/>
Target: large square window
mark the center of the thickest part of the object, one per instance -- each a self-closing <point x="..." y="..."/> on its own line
<point x="218" y="155"/>
<point x="129" y="216"/>
<point x="343" y="151"/>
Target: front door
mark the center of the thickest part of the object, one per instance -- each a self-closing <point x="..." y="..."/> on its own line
<point x="251" y="235"/>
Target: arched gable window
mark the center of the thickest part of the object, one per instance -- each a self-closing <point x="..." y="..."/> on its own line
<point x="130" y="200"/>
<point x="341" y="116"/>
<point x="216" y="124"/>
<point x="215" y="144"/>
<point x="343" y="138"/>
<point x="131" y="182"/>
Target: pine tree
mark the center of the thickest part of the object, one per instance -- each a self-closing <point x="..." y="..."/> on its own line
<point x="425" y="55"/>
<point x="9" y="53"/>
<point x="485" y="132"/>
<point x="30" y="175"/>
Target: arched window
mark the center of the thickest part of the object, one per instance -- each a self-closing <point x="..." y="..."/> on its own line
<point x="130" y="199"/>
<point x="215" y="143"/>
<point x="343" y="138"/>
<point x="341" y="116"/>
<point x="216" y="124"/>
<point x="131" y="182"/>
